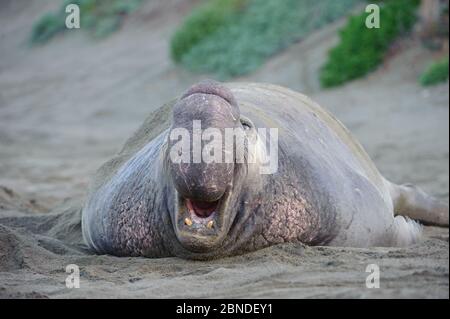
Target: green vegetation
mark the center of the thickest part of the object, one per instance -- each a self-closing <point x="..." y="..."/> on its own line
<point x="435" y="73"/>
<point x="48" y="26"/>
<point x="361" y="49"/>
<point x="232" y="38"/>
<point x="203" y="22"/>
<point x="100" y="17"/>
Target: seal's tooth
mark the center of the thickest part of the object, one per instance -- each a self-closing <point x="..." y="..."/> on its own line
<point x="210" y="224"/>
<point x="188" y="221"/>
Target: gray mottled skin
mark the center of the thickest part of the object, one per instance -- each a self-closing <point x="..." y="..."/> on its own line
<point x="326" y="191"/>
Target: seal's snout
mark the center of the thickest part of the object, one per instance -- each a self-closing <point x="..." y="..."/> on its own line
<point x="202" y="182"/>
<point x="208" y="101"/>
<point x="205" y="106"/>
<point x="204" y="178"/>
<point x="213" y="88"/>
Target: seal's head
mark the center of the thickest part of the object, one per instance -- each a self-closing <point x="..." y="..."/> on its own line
<point x="207" y="136"/>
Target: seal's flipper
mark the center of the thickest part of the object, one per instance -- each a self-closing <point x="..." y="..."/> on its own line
<point x="406" y="232"/>
<point x="411" y="201"/>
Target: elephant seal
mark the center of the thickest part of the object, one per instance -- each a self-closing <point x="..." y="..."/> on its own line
<point x="324" y="190"/>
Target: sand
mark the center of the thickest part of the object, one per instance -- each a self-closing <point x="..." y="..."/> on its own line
<point x="67" y="106"/>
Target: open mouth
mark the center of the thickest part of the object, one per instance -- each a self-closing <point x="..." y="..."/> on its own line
<point x="201" y="216"/>
<point x="201" y="225"/>
<point x="201" y="209"/>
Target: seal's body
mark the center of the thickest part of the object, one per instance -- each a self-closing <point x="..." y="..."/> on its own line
<point x="325" y="189"/>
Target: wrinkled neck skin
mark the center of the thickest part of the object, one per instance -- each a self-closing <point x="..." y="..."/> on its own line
<point x="140" y="203"/>
<point x="269" y="209"/>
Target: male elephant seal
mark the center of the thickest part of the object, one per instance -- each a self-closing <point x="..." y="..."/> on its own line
<point x="325" y="190"/>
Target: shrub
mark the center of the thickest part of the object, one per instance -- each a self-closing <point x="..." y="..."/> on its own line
<point x="203" y="22"/>
<point x="242" y="37"/>
<point x="361" y="49"/>
<point x="48" y="26"/>
<point x="437" y="72"/>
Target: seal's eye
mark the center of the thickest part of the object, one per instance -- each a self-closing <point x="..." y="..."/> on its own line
<point x="246" y="123"/>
